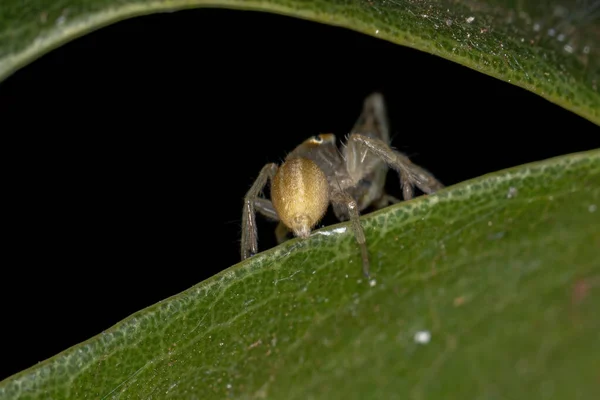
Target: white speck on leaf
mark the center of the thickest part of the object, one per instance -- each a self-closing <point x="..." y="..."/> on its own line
<point x="372" y="282"/>
<point x="329" y="233"/>
<point x="512" y="192"/>
<point x="470" y="19"/>
<point x="592" y="208"/>
<point x="422" y="337"/>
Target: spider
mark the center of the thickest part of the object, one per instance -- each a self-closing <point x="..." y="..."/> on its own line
<point x="317" y="173"/>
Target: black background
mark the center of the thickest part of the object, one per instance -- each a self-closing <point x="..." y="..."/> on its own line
<point x="130" y="150"/>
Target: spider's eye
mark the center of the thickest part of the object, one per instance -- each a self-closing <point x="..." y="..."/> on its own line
<point x="315" y="141"/>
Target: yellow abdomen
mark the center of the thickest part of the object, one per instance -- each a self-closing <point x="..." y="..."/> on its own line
<point x="300" y="195"/>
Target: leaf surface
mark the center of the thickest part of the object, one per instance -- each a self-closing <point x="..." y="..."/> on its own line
<point x="548" y="47"/>
<point x="487" y="289"/>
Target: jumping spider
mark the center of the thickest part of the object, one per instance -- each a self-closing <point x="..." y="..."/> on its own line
<point x="316" y="173"/>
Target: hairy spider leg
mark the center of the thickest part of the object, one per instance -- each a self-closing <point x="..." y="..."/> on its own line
<point x="252" y="203"/>
<point x="346" y="200"/>
<point x="266" y="209"/>
<point x="410" y="174"/>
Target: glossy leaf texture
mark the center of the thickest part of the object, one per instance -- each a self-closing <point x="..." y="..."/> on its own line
<point x="487" y="289"/>
<point x="550" y="47"/>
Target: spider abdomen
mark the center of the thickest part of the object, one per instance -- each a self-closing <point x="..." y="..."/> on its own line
<point x="300" y="195"/>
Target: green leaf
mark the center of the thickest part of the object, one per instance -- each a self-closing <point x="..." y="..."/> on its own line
<point x="548" y="47"/>
<point x="487" y="289"/>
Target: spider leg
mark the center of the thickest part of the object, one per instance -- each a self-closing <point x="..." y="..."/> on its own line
<point x="249" y="245"/>
<point x="346" y="200"/>
<point x="265" y="208"/>
<point x="281" y="232"/>
<point x="391" y="199"/>
<point x="384" y="201"/>
<point x="410" y="174"/>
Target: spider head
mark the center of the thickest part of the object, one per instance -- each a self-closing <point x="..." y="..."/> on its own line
<point x="300" y="195"/>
